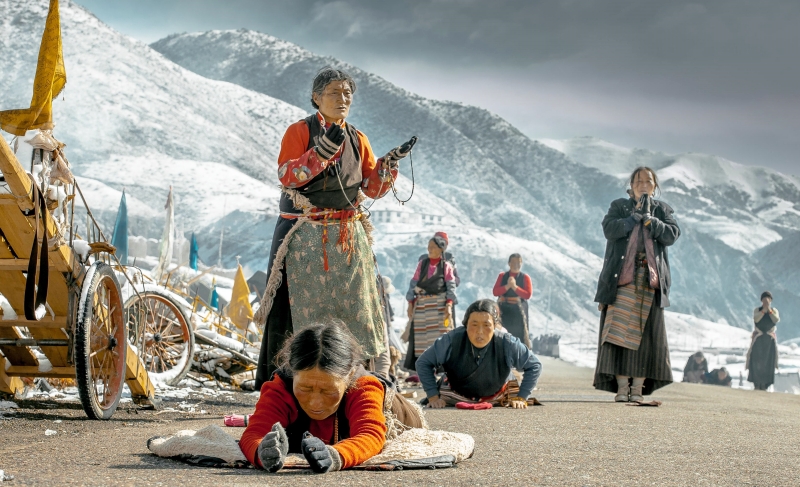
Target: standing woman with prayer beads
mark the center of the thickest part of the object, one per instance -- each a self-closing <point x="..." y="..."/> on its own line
<point x="633" y="290"/>
<point x="321" y="262"/>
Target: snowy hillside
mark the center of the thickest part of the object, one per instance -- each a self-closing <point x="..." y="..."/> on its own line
<point x="743" y="221"/>
<point x="521" y="183"/>
<point x="134" y="119"/>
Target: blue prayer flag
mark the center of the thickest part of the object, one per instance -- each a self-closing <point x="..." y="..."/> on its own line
<point x="193" y="250"/>
<point x="119" y="239"/>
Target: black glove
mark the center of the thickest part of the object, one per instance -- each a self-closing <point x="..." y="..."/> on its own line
<point x="400" y="152"/>
<point x="273" y="449"/>
<point x="330" y="142"/>
<point x="319" y="456"/>
<point x="644" y="207"/>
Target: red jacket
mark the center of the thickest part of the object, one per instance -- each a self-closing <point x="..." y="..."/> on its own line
<point x="294" y="155"/>
<point x="363" y="408"/>
<point x="524" y="289"/>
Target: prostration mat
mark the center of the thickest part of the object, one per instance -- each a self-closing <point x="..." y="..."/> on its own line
<point x="415" y="448"/>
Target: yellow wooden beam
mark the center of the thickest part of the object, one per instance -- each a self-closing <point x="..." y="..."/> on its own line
<point x="9" y="385"/>
<point x="136" y="376"/>
<point x="22" y="265"/>
<point x="47" y="322"/>
<point x="28" y="371"/>
<point x="16" y="177"/>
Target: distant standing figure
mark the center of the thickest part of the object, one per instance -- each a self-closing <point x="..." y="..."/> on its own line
<point x="633" y="290"/>
<point x="513" y="290"/>
<point x="431" y="295"/>
<point x="762" y="358"/>
<point x="696" y="368"/>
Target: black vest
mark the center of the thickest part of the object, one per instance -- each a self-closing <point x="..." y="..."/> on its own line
<point x="434" y="284"/>
<point x="470" y="379"/>
<point x="303" y="423"/>
<point x="765" y="324"/>
<point x="325" y="190"/>
<point x="520" y="280"/>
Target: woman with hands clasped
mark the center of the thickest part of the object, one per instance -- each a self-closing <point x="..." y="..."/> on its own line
<point x="762" y="357"/>
<point x="323" y="404"/>
<point x="633" y="290"/>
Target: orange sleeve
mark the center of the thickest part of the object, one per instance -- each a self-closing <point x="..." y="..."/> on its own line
<point x="372" y="185"/>
<point x="364" y="410"/>
<point x="296" y="165"/>
<point x="275" y="405"/>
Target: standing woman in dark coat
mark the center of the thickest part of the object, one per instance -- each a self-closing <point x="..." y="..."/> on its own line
<point x="633" y="290"/>
<point x="762" y="357"/>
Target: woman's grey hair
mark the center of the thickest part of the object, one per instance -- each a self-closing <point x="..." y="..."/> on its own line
<point x="325" y="76"/>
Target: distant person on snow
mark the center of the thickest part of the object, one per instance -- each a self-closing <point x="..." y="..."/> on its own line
<point x="633" y="290"/>
<point x="478" y="360"/>
<point x="431" y="296"/>
<point x="696" y="368"/>
<point x="321" y="263"/>
<point x="513" y="290"/>
<point x="718" y="377"/>
<point x="762" y="357"/>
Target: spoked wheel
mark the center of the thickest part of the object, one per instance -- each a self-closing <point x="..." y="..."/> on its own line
<point x="100" y="345"/>
<point x="164" y="338"/>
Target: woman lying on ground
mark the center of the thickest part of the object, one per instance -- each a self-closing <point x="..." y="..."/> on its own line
<point x="323" y="404"/>
<point x="477" y="360"/>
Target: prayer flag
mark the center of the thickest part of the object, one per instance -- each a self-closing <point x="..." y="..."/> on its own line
<point x="239" y="310"/>
<point x="193" y="251"/>
<point x="51" y="76"/>
<point x="120" y="237"/>
<point x="214" y="298"/>
<point x="165" y="247"/>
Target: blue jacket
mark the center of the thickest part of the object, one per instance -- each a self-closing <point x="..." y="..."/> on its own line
<point x="517" y="356"/>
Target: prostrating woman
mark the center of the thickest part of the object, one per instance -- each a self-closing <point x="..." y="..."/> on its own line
<point x="633" y="290"/>
<point x="513" y="290"/>
<point x="696" y="368"/>
<point x="762" y="357"/>
<point x="431" y="295"/>
<point x="477" y="360"/>
<point x="321" y="262"/>
<point x="323" y="404"/>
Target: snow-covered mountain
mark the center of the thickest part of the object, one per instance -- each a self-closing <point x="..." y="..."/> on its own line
<point x="727" y="211"/>
<point x="134" y="119"/>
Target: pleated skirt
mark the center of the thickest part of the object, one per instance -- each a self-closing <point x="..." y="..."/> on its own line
<point x="650" y="361"/>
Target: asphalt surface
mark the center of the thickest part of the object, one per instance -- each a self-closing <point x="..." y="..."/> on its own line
<point x="701" y="435"/>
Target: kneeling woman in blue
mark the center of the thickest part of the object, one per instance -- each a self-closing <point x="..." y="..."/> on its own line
<point x="477" y="359"/>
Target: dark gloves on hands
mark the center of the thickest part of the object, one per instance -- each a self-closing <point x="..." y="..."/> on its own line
<point x="330" y="142"/>
<point x="273" y="449"/>
<point x="398" y="153"/>
<point x="319" y="456"/>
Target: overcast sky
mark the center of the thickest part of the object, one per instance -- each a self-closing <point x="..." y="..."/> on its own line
<point x="721" y="77"/>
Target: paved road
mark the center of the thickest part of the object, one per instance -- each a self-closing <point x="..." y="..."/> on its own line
<point x="701" y="435"/>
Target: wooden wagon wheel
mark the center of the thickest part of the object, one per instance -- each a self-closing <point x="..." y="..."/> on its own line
<point x="163" y="335"/>
<point x="100" y="345"/>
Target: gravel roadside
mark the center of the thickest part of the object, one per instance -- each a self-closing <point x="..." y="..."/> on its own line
<point x="701" y="435"/>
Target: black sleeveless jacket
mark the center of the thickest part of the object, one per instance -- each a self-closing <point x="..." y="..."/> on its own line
<point x="434" y="284"/>
<point x="520" y="279"/>
<point x="325" y="190"/>
<point x="474" y="380"/>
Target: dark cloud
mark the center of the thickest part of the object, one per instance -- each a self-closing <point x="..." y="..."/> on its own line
<point x="717" y="76"/>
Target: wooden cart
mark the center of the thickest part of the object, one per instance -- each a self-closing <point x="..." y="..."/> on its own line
<point x="84" y="333"/>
